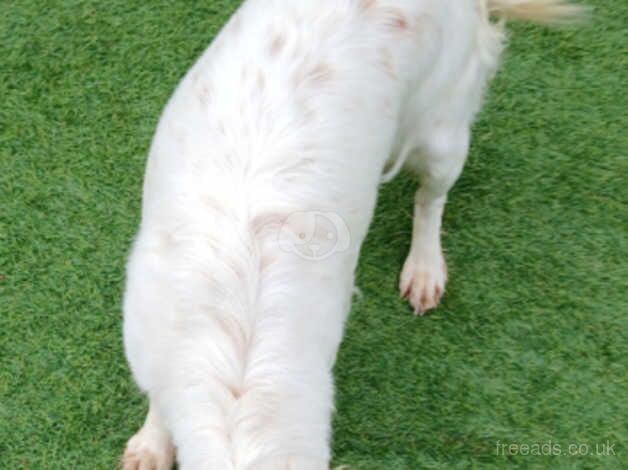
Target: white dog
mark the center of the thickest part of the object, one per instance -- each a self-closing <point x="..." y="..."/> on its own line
<point x="260" y="186"/>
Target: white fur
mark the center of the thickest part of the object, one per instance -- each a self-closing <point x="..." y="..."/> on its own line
<point x="286" y="122"/>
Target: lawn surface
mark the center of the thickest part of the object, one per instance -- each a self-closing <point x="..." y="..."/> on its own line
<point x="530" y="345"/>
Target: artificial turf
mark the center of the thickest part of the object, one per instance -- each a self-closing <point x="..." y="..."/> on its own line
<point x="530" y="345"/>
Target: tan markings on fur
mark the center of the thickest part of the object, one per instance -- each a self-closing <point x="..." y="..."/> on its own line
<point x="277" y="45"/>
<point x="235" y="392"/>
<point x="385" y="62"/>
<point x="396" y="20"/>
<point x="265" y="222"/>
<point x="266" y="261"/>
<point x="301" y="164"/>
<point x="212" y="204"/>
<point x="320" y="73"/>
<point x="365" y="5"/>
<point x="317" y="75"/>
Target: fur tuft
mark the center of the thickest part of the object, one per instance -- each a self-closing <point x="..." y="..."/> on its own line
<point x="538" y="11"/>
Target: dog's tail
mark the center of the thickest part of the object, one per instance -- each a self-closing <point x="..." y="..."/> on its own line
<point x="538" y="11"/>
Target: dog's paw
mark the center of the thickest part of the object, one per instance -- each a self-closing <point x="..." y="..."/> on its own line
<point x="423" y="281"/>
<point x="148" y="451"/>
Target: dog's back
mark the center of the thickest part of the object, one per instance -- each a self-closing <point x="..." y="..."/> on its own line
<point x="260" y="186"/>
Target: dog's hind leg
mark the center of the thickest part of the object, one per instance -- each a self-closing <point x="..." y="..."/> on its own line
<point x="438" y="162"/>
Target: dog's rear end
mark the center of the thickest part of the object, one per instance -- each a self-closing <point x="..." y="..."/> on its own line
<point x="230" y="329"/>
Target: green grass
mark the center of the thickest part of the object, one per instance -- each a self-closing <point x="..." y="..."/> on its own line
<point x="529" y="346"/>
